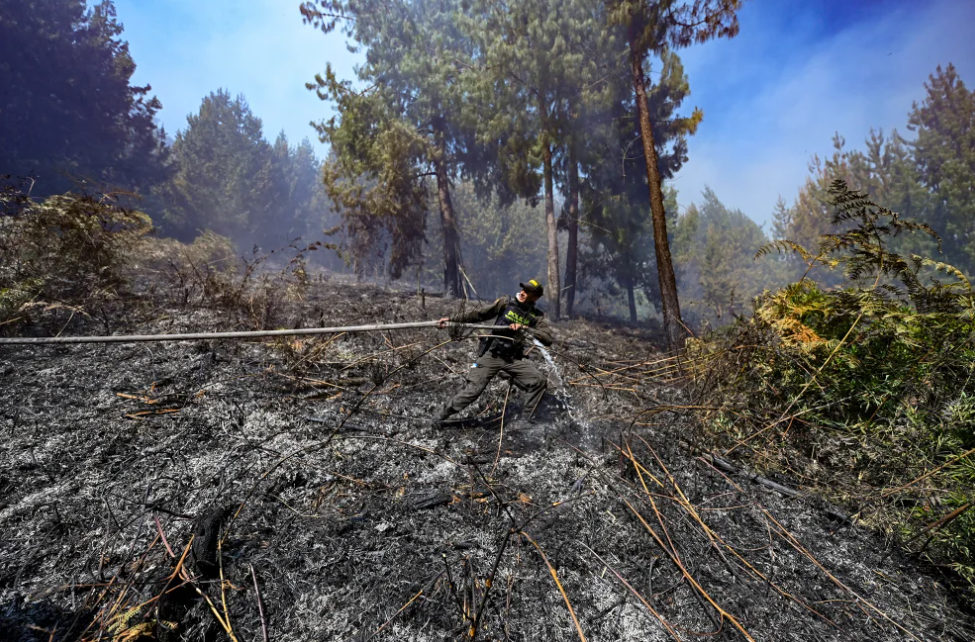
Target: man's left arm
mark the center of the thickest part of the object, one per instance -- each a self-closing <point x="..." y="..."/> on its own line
<point x="543" y="332"/>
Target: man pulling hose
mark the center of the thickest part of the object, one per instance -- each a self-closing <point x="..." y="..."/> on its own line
<point x="512" y="315"/>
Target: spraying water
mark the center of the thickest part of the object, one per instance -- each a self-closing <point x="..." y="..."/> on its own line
<point x="562" y="392"/>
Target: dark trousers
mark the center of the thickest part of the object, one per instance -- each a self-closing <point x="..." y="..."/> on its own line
<point x="523" y="373"/>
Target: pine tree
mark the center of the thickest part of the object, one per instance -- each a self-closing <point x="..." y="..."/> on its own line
<point x="375" y="179"/>
<point x="615" y="185"/>
<point x="714" y="252"/>
<point x="223" y="173"/>
<point x="929" y="179"/>
<point x="527" y="55"/>
<point x="411" y="108"/>
<point x="67" y="108"/>
<point x="811" y="214"/>
<point x="594" y="89"/>
<point x="311" y="212"/>
<point x="944" y="154"/>
<point x="653" y="27"/>
<point x="502" y="243"/>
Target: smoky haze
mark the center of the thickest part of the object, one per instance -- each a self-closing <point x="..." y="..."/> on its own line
<point x="203" y="112"/>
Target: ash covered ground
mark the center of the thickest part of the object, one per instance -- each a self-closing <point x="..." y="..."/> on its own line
<point x="135" y="476"/>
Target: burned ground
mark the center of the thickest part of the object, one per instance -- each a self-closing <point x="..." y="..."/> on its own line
<point x="136" y="476"/>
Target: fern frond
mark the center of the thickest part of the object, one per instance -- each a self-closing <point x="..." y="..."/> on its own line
<point x="945" y="268"/>
<point x="783" y="247"/>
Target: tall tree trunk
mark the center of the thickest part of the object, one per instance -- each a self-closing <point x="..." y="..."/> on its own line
<point x="451" y="237"/>
<point x="631" y="299"/>
<point x="572" y="249"/>
<point x="553" y="286"/>
<point x="673" y="326"/>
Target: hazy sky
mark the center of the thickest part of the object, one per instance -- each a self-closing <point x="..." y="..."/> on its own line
<point x="799" y="71"/>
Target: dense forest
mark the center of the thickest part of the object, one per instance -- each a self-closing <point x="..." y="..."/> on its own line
<point x="481" y="143"/>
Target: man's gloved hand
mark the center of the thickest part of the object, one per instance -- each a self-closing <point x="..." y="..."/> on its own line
<point x="521" y="333"/>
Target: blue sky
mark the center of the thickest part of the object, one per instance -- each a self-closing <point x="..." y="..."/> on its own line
<point x="186" y="49"/>
<point x="799" y="71"/>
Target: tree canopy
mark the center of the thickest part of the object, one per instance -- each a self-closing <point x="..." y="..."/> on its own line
<point x="68" y="109"/>
<point x="517" y="98"/>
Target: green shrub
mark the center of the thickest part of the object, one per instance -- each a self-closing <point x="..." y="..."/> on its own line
<point x="866" y="391"/>
<point x="65" y="251"/>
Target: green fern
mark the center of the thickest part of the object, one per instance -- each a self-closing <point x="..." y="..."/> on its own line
<point x="881" y="370"/>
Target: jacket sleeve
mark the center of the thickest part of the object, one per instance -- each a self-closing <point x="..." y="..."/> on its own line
<point x="543" y="332"/>
<point x="482" y="313"/>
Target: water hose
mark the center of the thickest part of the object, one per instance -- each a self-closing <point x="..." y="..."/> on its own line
<point x="196" y="336"/>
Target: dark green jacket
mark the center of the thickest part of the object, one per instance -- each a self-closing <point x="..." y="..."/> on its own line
<point x="529" y="316"/>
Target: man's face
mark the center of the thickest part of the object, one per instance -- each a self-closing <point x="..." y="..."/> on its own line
<point x="525" y="297"/>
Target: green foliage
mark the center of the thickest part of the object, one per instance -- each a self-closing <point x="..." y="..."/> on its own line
<point x="227" y="178"/>
<point x="373" y="181"/>
<point x="675" y="23"/>
<point x="69" y="112"/>
<point x="222" y="175"/>
<point x="503" y="245"/>
<point x="810" y="215"/>
<point x="655" y="28"/>
<point x="944" y="155"/>
<point x="67" y="108"/>
<point x="403" y="128"/>
<point x="303" y="210"/>
<point x="513" y="98"/>
<point x="65" y="251"/>
<point x="872" y="383"/>
<point x="614" y="194"/>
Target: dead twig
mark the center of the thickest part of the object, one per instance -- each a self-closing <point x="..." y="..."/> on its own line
<point x="260" y="604"/>
<point x="635" y="592"/>
<point x="504" y="408"/>
<point x="555" y="577"/>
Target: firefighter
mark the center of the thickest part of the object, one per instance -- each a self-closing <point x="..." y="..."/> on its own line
<point x="518" y="320"/>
